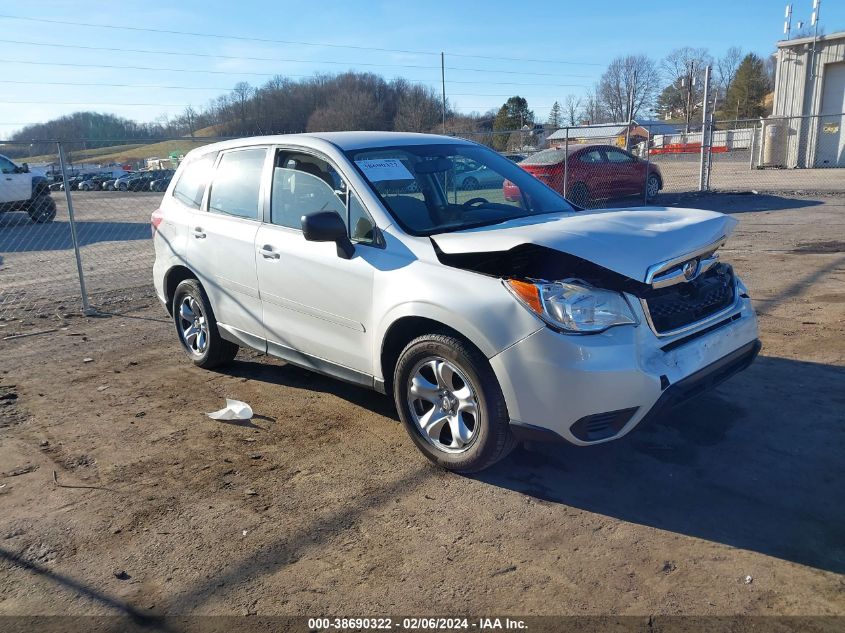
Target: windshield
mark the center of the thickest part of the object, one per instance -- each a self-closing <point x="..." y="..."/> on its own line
<point x="437" y="188"/>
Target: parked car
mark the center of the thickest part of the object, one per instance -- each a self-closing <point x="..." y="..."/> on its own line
<point x="468" y="175"/>
<point x="95" y="183"/>
<point x="56" y="186"/>
<point x="21" y="190"/>
<point x="160" y="185"/>
<point x="108" y="185"/>
<point x="594" y="172"/>
<point x="487" y="321"/>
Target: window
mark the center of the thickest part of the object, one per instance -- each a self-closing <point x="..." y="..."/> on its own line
<point x="6" y="166"/>
<point x="190" y="188"/>
<point x="237" y="182"/>
<point x="304" y="184"/>
<point x="592" y="156"/>
<point x="426" y="192"/>
<point x="617" y="156"/>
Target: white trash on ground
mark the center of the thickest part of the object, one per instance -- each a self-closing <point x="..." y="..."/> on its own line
<point x="234" y="410"/>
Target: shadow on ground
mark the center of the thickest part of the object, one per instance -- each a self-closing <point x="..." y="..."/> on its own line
<point x="19" y="235"/>
<point x="729" y="202"/>
<point x="756" y="465"/>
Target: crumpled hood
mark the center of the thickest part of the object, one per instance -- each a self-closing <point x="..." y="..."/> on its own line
<point x="626" y="241"/>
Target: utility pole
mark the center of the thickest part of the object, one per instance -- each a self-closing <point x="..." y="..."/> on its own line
<point x="706" y="141"/>
<point x="630" y="112"/>
<point x="443" y="86"/>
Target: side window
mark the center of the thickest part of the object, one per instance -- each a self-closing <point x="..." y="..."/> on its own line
<point x="6" y="166"/>
<point x="237" y="182"/>
<point x="593" y="156"/>
<point x="190" y="188"/>
<point x="617" y="156"/>
<point x="304" y="184"/>
<point x="362" y="229"/>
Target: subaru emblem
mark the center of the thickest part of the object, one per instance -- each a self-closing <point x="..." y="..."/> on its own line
<point x="690" y="269"/>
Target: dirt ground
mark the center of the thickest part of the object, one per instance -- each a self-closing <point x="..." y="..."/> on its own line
<point x="321" y="505"/>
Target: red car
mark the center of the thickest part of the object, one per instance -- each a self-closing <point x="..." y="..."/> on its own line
<point x="594" y="172"/>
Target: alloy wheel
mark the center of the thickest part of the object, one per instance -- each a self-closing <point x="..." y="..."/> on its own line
<point x="193" y="325"/>
<point x="444" y="404"/>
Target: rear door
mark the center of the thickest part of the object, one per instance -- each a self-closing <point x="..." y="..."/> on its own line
<point x="14" y="187"/>
<point x="221" y="239"/>
<point x="589" y="167"/>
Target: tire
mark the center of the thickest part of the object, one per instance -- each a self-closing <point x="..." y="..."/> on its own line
<point x="452" y="375"/>
<point x="122" y="187"/>
<point x="579" y="195"/>
<point x="207" y="349"/>
<point x="42" y="210"/>
<point x="469" y="184"/>
<point x="652" y="187"/>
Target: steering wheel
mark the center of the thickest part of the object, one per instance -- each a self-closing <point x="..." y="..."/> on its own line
<point x="472" y="202"/>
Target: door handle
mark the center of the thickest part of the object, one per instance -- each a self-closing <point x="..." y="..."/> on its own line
<point x="267" y="252"/>
<point x="198" y="233"/>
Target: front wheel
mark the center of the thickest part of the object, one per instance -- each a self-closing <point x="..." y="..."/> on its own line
<point x="451" y="404"/>
<point x="197" y="328"/>
<point x="42" y="210"/>
<point x="122" y="187"/>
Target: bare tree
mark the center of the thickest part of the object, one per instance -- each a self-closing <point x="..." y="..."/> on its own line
<point x="591" y="109"/>
<point x="629" y="84"/>
<point x="726" y="67"/>
<point x="685" y="69"/>
<point x="571" y="109"/>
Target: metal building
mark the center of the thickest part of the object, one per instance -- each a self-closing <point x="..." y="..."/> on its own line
<point x="810" y="84"/>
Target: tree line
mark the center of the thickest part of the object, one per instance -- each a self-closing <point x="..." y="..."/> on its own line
<point x="631" y="86"/>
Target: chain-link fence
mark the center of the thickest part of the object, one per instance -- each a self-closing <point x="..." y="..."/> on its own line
<point x="74" y="222"/>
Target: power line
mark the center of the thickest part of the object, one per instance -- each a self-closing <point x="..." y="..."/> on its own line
<point x="115" y="85"/>
<point x="226" y="72"/>
<point x="281" y="59"/>
<point x="105" y="85"/>
<point x="96" y="103"/>
<point x="208" y="55"/>
<point x="298" y="43"/>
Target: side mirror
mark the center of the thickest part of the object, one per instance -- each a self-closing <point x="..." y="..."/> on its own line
<point x="25" y="168"/>
<point x="327" y="226"/>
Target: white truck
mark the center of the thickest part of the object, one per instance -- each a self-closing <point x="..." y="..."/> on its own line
<point x="21" y="190"/>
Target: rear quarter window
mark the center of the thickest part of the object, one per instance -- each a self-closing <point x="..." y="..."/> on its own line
<point x="192" y="183"/>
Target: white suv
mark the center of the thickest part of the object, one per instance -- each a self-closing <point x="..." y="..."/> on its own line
<point x="488" y="320"/>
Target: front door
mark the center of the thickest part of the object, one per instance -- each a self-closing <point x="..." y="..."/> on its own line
<point x="221" y="239"/>
<point x="14" y="186"/>
<point x="317" y="306"/>
<point x="623" y="171"/>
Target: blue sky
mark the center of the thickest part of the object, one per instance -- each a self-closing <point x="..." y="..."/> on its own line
<point x="585" y="34"/>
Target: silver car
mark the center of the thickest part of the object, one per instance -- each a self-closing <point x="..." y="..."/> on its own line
<point x="488" y="320"/>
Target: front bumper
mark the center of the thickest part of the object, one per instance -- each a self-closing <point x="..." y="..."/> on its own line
<point x="593" y="389"/>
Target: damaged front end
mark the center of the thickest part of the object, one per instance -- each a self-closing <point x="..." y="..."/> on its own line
<point x="574" y="295"/>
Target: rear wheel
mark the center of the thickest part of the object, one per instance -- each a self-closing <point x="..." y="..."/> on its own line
<point x="652" y="187"/>
<point x="197" y="328"/>
<point x="42" y="210"/>
<point x="469" y="184"/>
<point x="451" y="404"/>
<point x="579" y="194"/>
<point x="122" y="186"/>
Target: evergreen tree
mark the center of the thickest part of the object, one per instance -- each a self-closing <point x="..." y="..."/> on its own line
<point x="556" y="115"/>
<point x="745" y="93"/>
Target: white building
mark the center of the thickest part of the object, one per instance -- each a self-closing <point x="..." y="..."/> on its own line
<point x="809" y="82"/>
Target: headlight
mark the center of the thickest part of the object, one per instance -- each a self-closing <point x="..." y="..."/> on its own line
<point x="573" y="306"/>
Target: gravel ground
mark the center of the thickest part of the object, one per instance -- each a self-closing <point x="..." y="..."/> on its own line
<point x="321" y="505"/>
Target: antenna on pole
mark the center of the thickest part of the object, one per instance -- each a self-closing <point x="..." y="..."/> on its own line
<point x="787" y="22"/>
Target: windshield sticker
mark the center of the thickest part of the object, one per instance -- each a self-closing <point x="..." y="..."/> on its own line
<point x="384" y="169"/>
